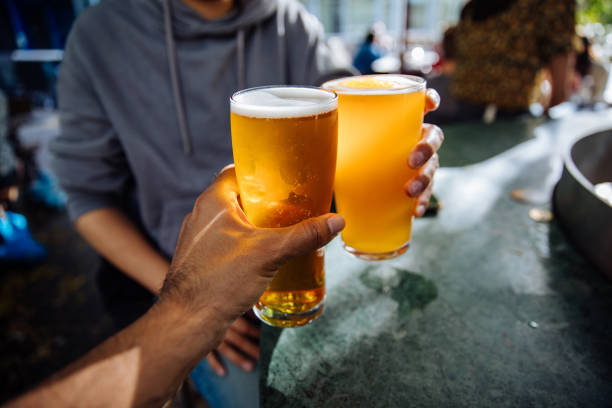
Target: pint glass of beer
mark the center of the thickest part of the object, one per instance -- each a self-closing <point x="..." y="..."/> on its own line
<point x="379" y="123"/>
<point x="285" y="145"/>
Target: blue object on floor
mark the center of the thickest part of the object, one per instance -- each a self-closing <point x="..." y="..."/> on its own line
<point x="238" y="388"/>
<point x="44" y="190"/>
<point x="17" y="244"/>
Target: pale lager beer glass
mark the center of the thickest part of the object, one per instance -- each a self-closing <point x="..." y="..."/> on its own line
<point x="284" y="141"/>
<point x="379" y="123"/>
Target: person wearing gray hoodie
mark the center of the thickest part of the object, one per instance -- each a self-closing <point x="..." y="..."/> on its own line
<point x="143" y="98"/>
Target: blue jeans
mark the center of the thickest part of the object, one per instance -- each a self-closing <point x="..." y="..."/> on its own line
<point x="238" y="389"/>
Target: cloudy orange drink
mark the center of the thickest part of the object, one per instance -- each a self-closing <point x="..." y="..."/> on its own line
<point x="284" y="141"/>
<point x="379" y="123"/>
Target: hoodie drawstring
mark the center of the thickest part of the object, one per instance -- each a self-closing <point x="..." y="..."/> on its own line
<point x="282" y="42"/>
<point x="240" y="59"/>
<point x="177" y="91"/>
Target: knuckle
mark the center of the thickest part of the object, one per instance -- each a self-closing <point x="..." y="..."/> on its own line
<point x="314" y="232"/>
<point x="240" y="326"/>
<point x="438" y="132"/>
<point x="234" y="341"/>
<point x="436" y="160"/>
<point x="186" y="221"/>
<point x="233" y="355"/>
<point x="231" y="336"/>
<point x="200" y="203"/>
<point x="431" y="167"/>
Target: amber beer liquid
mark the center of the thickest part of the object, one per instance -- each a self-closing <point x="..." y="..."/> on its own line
<point x="284" y="141"/>
<point x="380" y="118"/>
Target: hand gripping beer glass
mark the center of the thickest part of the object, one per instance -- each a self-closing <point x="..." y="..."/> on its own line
<point x="285" y="145"/>
<point x="380" y="119"/>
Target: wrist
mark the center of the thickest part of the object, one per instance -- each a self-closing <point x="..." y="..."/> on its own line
<point x="198" y="331"/>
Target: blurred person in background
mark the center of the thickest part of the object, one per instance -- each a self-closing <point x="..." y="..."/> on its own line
<point x="30" y="80"/>
<point x="143" y="96"/>
<point x="446" y="50"/>
<point x="502" y="50"/>
<point x="590" y="76"/>
<point x="582" y="81"/>
<point x="449" y="109"/>
<point x="368" y="52"/>
<point x="16" y="241"/>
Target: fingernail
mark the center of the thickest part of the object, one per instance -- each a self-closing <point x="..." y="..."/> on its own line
<point x="220" y="372"/>
<point x="416" y="188"/>
<point x="247" y="366"/>
<point x="417" y="159"/>
<point x="335" y="224"/>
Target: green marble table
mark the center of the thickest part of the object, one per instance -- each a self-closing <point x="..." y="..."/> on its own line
<point x="487" y="309"/>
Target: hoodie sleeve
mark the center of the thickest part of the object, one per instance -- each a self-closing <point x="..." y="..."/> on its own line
<point x="310" y="60"/>
<point x="87" y="156"/>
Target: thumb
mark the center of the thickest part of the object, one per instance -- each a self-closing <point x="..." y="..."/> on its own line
<point x="307" y="236"/>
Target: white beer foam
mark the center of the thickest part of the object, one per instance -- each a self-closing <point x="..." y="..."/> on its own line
<point x="399" y="84"/>
<point x="282" y="102"/>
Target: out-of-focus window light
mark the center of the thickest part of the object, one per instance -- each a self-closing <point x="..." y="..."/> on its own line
<point x="350" y="19"/>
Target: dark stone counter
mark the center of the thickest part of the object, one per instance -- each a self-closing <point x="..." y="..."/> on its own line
<point x="487" y="308"/>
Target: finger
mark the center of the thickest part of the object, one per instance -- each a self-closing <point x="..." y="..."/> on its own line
<point x="227" y="168"/>
<point x="431" y="140"/>
<point x="246" y="327"/>
<point x="235" y="357"/>
<point x="423" y="201"/>
<point x="243" y="343"/>
<point x="229" y="186"/>
<point x="416" y="186"/>
<point x="215" y="363"/>
<point x="304" y="237"/>
<point x="226" y="180"/>
<point x="224" y="187"/>
<point x="225" y="190"/>
<point x="432" y="100"/>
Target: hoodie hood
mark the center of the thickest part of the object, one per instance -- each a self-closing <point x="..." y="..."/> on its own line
<point x="145" y="114"/>
<point x="182" y="23"/>
<point x="188" y="23"/>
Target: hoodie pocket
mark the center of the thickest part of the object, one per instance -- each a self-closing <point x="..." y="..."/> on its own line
<point x="172" y="218"/>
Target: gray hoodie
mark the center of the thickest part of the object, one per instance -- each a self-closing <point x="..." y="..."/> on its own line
<point x="144" y="98"/>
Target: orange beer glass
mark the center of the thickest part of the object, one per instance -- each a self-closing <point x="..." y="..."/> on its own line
<point x="379" y="123"/>
<point x="284" y="141"/>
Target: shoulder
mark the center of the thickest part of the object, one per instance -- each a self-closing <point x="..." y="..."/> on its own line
<point x="105" y="20"/>
<point x="297" y="20"/>
<point x="96" y="18"/>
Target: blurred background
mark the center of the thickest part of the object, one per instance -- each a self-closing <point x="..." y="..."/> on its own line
<point x="46" y="281"/>
<point x="33" y="34"/>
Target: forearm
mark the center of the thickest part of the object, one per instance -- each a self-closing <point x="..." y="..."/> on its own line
<point x="142" y="365"/>
<point x="116" y="238"/>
